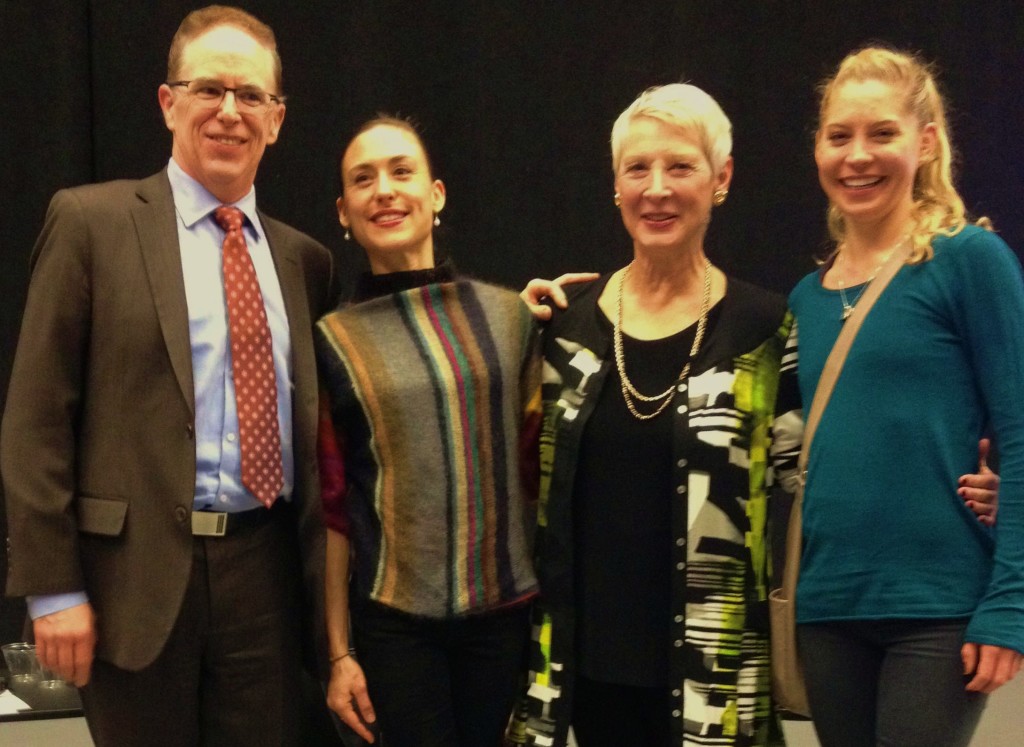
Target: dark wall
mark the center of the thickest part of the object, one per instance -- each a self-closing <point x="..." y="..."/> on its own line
<point x="516" y="100"/>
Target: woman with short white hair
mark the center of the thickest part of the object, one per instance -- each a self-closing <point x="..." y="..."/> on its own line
<point x="660" y="392"/>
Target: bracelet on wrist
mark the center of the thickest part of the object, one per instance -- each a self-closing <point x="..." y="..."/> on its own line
<point x="339" y="657"/>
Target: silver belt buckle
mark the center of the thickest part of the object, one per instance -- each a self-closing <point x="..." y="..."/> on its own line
<point x="209" y="524"/>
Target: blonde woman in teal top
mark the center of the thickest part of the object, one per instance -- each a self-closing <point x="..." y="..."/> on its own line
<point x="910" y="611"/>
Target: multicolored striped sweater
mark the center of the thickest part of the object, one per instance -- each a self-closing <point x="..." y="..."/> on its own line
<point x="432" y="402"/>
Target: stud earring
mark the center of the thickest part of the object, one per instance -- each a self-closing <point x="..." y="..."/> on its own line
<point x="719" y="197"/>
<point x="348" y="236"/>
<point x="617" y="200"/>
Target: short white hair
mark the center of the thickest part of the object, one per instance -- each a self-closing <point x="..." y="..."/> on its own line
<point x="686" y="107"/>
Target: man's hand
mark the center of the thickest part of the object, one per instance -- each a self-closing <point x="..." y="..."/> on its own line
<point x="347" y="696"/>
<point x="65" y="641"/>
<point x="992" y="666"/>
<point x="538" y="289"/>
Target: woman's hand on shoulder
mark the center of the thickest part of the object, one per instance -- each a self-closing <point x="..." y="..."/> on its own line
<point x="539" y="289"/>
<point x="348" y="697"/>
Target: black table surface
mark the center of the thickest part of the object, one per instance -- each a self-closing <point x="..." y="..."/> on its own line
<point x="61" y="701"/>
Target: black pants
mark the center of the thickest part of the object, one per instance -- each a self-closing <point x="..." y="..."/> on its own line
<point x="608" y="715"/>
<point x="891" y="683"/>
<point x="441" y="683"/>
<point x="230" y="672"/>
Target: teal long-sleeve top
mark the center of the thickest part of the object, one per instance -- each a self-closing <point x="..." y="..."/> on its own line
<point x="939" y="357"/>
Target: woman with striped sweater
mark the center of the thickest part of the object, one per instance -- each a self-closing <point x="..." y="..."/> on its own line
<point x="431" y="395"/>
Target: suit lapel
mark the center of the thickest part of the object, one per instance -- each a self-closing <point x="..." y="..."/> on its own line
<point x="157" y="230"/>
<point x="293" y="288"/>
<point x="289" y="273"/>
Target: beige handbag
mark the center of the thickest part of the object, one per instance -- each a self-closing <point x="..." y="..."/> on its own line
<point x="788" y="687"/>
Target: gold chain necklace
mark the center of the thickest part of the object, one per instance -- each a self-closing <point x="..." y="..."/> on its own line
<point x="629" y="392"/>
<point x="841" y="283"/>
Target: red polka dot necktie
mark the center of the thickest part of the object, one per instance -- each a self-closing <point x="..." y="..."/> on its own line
<point x="252" y="363"/>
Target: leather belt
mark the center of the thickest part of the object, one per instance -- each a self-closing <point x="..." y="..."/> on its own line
<point x="219" y="524"/>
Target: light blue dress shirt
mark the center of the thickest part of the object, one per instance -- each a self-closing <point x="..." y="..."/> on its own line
<point x="218" y="459"/>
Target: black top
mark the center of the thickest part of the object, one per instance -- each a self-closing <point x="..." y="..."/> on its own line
<point x="370" y="286"/>
<point x="623" y="522"/>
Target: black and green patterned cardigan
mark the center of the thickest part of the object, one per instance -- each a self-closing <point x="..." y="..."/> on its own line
<point x="723" y="413"/>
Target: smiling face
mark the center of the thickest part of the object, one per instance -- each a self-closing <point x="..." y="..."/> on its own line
<point x="389" y="198"/>
<point x="868" y="150"/>
<point x="219" y="146"/>
<point x="666" y="185"/>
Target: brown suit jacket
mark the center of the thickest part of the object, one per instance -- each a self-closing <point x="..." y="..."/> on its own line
<point x="97" y="448"/>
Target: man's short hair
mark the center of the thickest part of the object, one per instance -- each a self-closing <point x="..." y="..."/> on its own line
<point x="198" y="22"/>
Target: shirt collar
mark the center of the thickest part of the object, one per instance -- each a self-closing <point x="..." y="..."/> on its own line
<point x="193" y="201"/>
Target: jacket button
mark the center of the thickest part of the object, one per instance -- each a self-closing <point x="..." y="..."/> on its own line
<point x="181" y="513"/>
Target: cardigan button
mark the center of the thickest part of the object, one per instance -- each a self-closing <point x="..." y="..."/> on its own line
<point x="678" y="618"/>
<point x="681" y="489"/>
<point x="675" y="712"/>
<point x="681" y="409"/>
<point x="681" y="463"/>
<point x="678" y="643"/>
<point x="681" y="388"/>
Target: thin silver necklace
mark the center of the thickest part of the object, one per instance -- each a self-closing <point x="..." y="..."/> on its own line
<point x="629" y="392"/>
<point x="848" y="305"/>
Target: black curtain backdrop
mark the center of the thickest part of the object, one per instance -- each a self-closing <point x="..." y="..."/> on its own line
<point x="516" y="101"/>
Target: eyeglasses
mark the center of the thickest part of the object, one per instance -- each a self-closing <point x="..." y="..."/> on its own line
<point x="210" y="93"/>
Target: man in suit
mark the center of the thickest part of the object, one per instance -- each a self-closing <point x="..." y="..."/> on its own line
<point x="163" y="578"/>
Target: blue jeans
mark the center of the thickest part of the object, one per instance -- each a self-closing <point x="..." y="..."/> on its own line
<point x="892" y="683"/>
<point x="441" y="683"/>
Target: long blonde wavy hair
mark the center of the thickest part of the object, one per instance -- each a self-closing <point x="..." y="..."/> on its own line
<point x="938" y="208"/>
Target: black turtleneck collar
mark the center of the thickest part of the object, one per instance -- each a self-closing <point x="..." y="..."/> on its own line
<point x="372" y="286"/>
